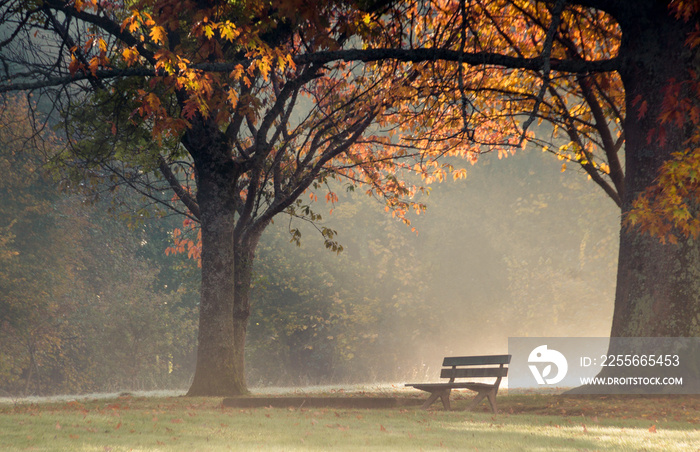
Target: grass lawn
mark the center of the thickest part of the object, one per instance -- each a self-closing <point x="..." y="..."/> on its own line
<point x="526" y="422"/>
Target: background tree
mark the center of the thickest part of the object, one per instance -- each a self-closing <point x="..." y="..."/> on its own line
<point x="30" y="244"/>
<point x="75" y="285"/>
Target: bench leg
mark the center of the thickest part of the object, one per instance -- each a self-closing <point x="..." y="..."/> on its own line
<point x="490" y="394"/>
<point x="445" y="397"/>
<point x="442" y="394"/>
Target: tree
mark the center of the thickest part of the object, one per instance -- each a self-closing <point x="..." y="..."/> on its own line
<point x="643" y="52"/>
<point x="220" y="85"/>
<point x="254" y="145"/>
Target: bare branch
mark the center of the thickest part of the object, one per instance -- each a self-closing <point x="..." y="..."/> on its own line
<point x="179" y="190"/>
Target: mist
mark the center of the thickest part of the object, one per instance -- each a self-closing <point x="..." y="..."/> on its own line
<point x="519" y="248"/>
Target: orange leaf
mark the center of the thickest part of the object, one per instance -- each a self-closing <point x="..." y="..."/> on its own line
<point x="652" y="429"/>
<point x="74" y="65"/>
<point x="130" y="55"/>
<point x="157" y="34"/>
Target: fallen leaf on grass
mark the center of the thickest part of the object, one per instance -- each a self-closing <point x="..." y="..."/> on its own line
<point x="382" y="428"/>
<point x="652" y="429"/>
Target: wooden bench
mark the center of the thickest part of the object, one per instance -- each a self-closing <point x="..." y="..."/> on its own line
<point x="458" y="367"/>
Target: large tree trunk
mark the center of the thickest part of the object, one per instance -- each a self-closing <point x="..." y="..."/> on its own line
<point x="245" y="254"/>
<point x="216" y="372"/>
<point x="658" y="285"/>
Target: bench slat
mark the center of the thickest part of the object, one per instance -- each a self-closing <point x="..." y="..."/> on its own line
<point x="475" y="360"/>
<point x="479" y="372"/>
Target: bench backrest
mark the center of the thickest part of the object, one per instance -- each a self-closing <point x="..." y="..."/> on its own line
<point x="461" y="367"/>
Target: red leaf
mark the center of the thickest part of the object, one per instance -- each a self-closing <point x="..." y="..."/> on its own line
<point x="642" y="109"/>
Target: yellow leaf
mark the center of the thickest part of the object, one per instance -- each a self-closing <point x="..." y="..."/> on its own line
<point x="130" y="55"/>
<point x="460" y="174"/>
<point x="158" y="34"/>
<point x="209" y="31"/>
<point x="228" y="31"/>
<point x="264" y="66"/>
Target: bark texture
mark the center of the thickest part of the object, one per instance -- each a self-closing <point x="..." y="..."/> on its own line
<point x="658" y="285"/>
<point x="216" y="372"/>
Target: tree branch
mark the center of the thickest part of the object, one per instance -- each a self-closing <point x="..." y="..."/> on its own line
<point x="418" y="55"/>
<point x="179" y="190"/>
